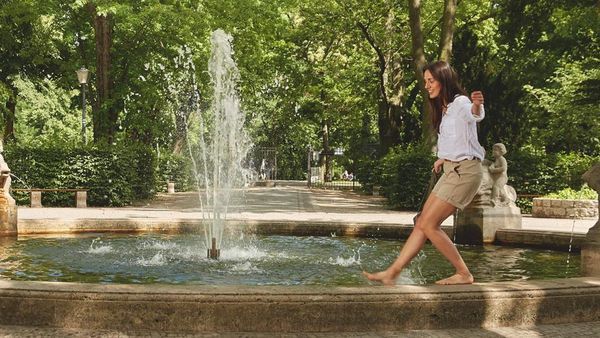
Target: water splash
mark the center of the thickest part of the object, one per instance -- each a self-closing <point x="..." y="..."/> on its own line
<point x="571" y="239"/>
<point x="22" y="181"/>
<point x="100" y="248"/>
<point x="157" y="260"/>
<point x="220" y="146"/>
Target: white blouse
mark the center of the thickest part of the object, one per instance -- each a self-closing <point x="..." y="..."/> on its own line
<point x="457" y="139"/>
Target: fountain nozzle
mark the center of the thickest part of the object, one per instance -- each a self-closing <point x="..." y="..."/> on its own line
<point x="213" y="252"/>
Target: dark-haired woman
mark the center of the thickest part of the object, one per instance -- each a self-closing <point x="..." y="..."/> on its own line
<point x="459" y="153"/>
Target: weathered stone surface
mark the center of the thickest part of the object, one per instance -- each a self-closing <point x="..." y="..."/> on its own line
<point x="8" y="216"/>
<point x="592" y="177"/>
<point x="36" y="199"/>
<point x="546" y="207"/>
<point x="171" y="187"/>
<point x="479" y="225"/>
<point x="81" y="199"/>
<point x="298" y="309"/>
<point x="8" y="207"/>
<point x="590" y="250"/>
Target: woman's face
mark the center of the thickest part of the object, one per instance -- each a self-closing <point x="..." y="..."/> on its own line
<point x="432" y="85"/>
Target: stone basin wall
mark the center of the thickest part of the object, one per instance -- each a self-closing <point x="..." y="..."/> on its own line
<point x="555" y="208"/>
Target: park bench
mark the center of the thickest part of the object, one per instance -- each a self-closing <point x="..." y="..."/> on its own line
<point x="36" y="196"/>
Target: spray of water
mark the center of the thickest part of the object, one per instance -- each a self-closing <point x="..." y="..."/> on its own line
<point x="224" y="143"/>
<point x="217" y="142"/>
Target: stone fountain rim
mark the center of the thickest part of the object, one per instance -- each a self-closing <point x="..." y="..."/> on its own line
<point x="204" y="308"/>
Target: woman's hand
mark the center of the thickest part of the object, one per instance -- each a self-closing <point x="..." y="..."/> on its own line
<point x="477" y="99"/>
<point x="437" y="166"/>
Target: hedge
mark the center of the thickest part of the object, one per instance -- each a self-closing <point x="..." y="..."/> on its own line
<point x="404" y="173"/>
<point x="114" y="176"/>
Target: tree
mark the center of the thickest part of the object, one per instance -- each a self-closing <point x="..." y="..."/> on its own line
<point x="26" y="48"/>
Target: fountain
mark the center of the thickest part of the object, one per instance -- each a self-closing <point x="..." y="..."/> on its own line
<point x="224" y="144"/>
<point x="257" y="308"/>
<point x="8" y="207"/>
<point x="493" y="207"/>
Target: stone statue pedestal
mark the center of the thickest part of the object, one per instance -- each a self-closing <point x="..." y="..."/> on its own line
<point x="590" y="249"/>
<point x="478" y="225"/>
<point x="8" y="215"/>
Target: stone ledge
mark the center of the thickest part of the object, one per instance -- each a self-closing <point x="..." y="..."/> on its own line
<point x="210" y="308"/>
<point x="291" y="228"/>
<point x="540" y="239"/>
<point x="556" y="208"/>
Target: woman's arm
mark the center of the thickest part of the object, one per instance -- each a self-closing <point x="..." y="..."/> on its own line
<point x="468" y="110"/>
<point x="477" y="99"/>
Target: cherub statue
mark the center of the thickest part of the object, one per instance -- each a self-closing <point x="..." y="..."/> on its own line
<point x="499" y="173"/>
<point x="493" y="191"/>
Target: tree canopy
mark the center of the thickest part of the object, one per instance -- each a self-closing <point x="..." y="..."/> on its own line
<point x="314" y="74"/>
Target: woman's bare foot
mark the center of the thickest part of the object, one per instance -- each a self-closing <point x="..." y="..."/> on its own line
<point x="383" y="277"/>
<point x="457" y="279"/>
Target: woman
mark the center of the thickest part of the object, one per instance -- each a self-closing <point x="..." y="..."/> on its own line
<point x="459" y="153"/>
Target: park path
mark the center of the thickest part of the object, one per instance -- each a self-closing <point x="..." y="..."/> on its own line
<point x="287" y="201"/>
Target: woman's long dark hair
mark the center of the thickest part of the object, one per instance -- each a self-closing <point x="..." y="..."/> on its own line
<point x="445" y="74"/>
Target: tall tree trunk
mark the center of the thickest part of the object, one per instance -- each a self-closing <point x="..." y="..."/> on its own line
<point x="9" y="120"/>
<point x="418" y="52"/>
<point x="105" y="114"/>
<point x="326" y="163"/>
<point x="445" y="48"/>
<point x="387" y="120"/>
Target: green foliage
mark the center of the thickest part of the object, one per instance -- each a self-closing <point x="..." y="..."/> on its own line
<point x="585" y="193"/>
<point x="303" y="65"/>
<point x="174" y="168"/>
<point x="536" y="172"/>
<point x="563" y="121"/>
<point x="44" y="114"/>
<point x="114" y="176"/>
<point x="406" y="172"/>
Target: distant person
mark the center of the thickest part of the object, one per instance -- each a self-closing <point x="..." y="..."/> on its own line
<point x="459" y="153"/>
<point x="350" y="176"/>
<point x="263" y="170"/>
<point x="345" y="175"/>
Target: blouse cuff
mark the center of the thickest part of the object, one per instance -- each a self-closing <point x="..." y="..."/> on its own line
<point x="476" y="118"/>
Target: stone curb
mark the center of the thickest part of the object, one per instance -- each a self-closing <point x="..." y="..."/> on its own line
<point x="512" y="237"/>
<point x="297" y="309"/>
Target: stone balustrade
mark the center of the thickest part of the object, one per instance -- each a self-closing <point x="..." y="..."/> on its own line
<point x="559" y="208"/>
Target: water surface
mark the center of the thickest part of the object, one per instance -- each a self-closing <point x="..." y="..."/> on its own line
<point x="258" y="260"/>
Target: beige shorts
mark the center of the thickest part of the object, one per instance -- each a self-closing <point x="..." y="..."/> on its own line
<point x="459" y="183"/>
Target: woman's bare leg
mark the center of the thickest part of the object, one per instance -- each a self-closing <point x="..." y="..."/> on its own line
<point x="434" y="213"/>
<point x="430" y="224"/>
<point x="411" y="248"/>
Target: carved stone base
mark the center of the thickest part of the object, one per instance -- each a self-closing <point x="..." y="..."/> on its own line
<point x="478" y="225"/>
<point x="590" y="252"/>
<point x="8" y="216"/>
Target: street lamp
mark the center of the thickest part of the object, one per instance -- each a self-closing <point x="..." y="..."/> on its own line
<point x="82" y="76"/>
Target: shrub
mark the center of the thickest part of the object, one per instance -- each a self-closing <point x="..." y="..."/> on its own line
<point x="585" y="193"/>
<point x="405" y="176"/>
<point x="536" y="172"/>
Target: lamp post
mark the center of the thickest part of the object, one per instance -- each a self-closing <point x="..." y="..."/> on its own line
<point x="82" y="76"/>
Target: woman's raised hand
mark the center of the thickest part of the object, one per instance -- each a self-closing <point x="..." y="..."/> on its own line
<point x="477" y="98"/>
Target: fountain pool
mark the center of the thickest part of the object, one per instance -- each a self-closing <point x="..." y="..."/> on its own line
<point x="257" y="260"/>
